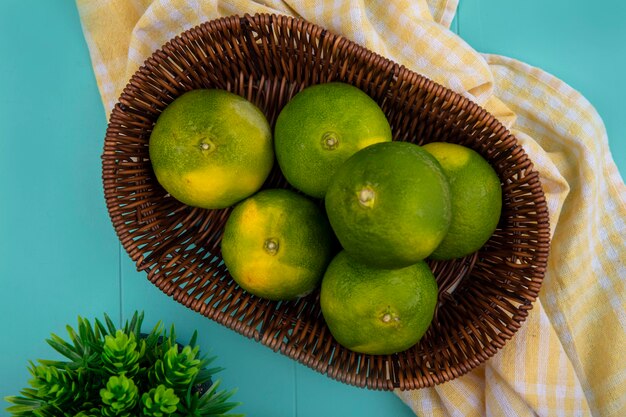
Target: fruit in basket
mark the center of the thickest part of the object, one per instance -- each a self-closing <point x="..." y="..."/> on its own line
<point x="277" y="244"/>
<point x="377" y="311"/>
<point x="320" y="128"/>
<point x="211" y="148"/>
<point x="389" y="204"/>
<point x="476" y="196"/>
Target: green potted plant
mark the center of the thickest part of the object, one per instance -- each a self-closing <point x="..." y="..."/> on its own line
<point x="122" y="372"/>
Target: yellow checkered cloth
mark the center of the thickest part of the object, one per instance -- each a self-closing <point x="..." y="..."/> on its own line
<point x="568" y="359"/>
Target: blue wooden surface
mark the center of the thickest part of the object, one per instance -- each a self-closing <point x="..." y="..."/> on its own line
<point x="60" y="258"/>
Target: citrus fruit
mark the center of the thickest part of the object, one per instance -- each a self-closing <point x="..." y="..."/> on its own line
<point x="377" y="311"/>
<point x="389" y="204"/>
<point x="320" y="128"/>
<point x="277" y="244"/>
<point x="476" y="197"/>
<point x="211" y="148"/>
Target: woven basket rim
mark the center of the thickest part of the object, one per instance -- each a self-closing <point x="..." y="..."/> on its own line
<point x="397" y="72"/>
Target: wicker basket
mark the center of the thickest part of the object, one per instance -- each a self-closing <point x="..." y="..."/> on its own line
<point x="484" y="297"/>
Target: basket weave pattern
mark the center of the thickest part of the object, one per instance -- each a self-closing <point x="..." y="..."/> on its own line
<point x="267" y="59"/>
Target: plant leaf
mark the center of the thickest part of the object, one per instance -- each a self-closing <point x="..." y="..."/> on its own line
<point x="63" y="348"/>
<point x="110" y="325"/>
<point x="101" y="329"/>
<point x="194" y="338"/>
<point x="135" y="324"/>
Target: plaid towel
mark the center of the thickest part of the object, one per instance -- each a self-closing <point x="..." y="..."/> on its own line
<point x="569" y="357"/>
